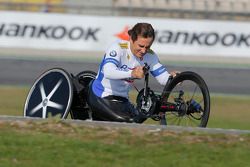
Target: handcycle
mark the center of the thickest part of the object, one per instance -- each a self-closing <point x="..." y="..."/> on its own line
<point x="184" y="101"/>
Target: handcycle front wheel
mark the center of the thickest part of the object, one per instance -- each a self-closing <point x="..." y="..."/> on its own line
<point x="189" y="97"/>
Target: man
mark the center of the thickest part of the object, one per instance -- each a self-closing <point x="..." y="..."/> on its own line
<point x="122" y="63"/>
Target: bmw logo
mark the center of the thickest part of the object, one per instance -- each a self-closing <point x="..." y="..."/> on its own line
<point x="113" y="53"/>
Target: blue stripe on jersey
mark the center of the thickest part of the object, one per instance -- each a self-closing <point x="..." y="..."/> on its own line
<point x="158" y="71"/>
<point x="97" y="87"/>
<point x="111" y="60"/>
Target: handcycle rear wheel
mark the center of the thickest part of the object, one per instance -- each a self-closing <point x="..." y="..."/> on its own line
<point x="189" y="94"/>
<point x="58" y="93"/>
<point x="50" y="95"/>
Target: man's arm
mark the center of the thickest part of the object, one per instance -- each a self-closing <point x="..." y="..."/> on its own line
<point x="111" y="71"/>
<point x="158" y="70"/>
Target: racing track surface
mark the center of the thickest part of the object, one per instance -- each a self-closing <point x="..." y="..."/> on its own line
<point x="219" y="80"/>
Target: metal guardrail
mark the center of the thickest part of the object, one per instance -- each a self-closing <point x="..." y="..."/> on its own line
<point x="196" y="9"/>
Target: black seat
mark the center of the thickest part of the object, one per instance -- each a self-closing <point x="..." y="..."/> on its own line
<point x="80" y="109"/>
<point x="106" y="109"/>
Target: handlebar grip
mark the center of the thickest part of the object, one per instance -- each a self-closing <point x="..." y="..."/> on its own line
<point x="146" y="68"/>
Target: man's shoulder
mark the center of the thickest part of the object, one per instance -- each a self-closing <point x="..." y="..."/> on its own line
<point x="119" y="45"/>
<point x="151" y="52"/>
<point x="150" y="56"/>
<point x="117" y="49"/>
<point x="122" y="44"/>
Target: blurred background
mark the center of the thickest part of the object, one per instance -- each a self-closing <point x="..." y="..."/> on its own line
<point x="210" y="37"/>
<point x="184" y="9"/>
<point x="39" y="34"/>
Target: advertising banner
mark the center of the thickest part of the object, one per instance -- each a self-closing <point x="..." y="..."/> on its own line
<point x="96" y="33"/>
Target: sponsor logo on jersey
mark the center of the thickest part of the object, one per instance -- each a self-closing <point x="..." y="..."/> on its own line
<point x="124" y="45"/>
<point x="128" y="57"/>
<point x="113" y="53"/>
<point x="125" y="68"/>
<point x="129" y="80"/>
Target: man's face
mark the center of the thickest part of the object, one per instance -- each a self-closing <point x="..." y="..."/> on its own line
<point x="140" y="46"/>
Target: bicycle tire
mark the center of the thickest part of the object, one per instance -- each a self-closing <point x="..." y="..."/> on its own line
<point x="50" y="94"/>
<point x="190" y="78"/>
<point x="79" y="109"/>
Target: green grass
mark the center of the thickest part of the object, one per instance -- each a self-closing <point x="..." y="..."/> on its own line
<point x="55" y="143"/>
<point x="12" y="100"/>
<point x="231" y="112"/>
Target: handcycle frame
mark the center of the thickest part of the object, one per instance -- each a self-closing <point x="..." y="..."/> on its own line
<point x="150" y="104"/>
<point x="180" y="107"/>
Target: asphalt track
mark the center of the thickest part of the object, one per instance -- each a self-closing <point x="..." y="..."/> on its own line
<point x="223" y="80"/>
<point x="219" y="80"/>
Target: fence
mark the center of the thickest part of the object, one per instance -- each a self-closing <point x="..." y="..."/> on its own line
<point x="195" y="9"/>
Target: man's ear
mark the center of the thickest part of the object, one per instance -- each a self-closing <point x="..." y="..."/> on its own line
<point x="130" y="40"/>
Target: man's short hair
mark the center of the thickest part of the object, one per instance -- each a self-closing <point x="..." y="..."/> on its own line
<point x="142" y="29"/>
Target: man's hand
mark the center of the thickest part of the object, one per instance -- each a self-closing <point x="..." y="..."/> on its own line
<point x="138" y="72"/>
<point x="174" y="73"/>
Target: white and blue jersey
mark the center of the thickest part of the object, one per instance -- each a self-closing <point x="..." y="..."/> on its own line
<point x="114" y="75"/>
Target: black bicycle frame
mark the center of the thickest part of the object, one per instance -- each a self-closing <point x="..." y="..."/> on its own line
<point x="164" y="106"/>
<point x="146" y="89"/>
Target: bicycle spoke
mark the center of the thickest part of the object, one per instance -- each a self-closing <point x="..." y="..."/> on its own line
<point x="194" y="91"/>
<point x="38" y="107"/>
<point x="42" y="91"/>
<point x="55" y="105"/>
<point x="192" y="120"/>
<point x="54" y="89"/>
